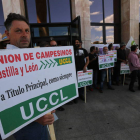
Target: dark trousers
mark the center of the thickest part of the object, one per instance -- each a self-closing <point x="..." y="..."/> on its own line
<point x="117" y="73"/>
<point x="103" y="75"/>
<point x="81" y="91"/>
<point x="33" y="131"/>
<point x="95" y="78"/>
<point x="134" y="75"/>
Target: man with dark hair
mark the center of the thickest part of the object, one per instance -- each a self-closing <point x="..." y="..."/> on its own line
<point x="81" y="55"/>
<point x="110" y="47"/>
<point x="134" y="66"/>
<point x="97" y="51"/>
<point x="93" y="64"/>
<point x="44" y="44"/>
<point x="18" y="32"/>
<point x="121" y="57"/>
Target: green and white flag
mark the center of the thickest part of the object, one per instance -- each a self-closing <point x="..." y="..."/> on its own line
<point x="130" y="43"/>
<point x="33" y="82"/>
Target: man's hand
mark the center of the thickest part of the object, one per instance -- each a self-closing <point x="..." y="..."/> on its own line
<point x="46" y="119"/>
<point x="84" y="69"/>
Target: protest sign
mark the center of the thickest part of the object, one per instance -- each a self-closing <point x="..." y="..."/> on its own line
<point x="34" y="82"/>
<point x="116" y="45"/>
<point x="101" y="46"/>
<point x="105" y="61"/>
<point x="84" y="78"/>
<point x="124" y="68"/>
<point x="114" y="52"/>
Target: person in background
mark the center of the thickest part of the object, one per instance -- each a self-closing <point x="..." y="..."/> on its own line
<point x="44" y="44"/>
<point x="97" y="51"/>
<point x="81" y="43"/>
<point x="117" y="48"/>
<point x="134" y="66"/>
<point x="81" y="55"/>
<point x="18" y="32"/>
<point x="93" y="64"/>
<point x="110" y="47"/>
<point x="104" y="73"/>
<point x="121" y="57"/>
<point x="53" y="43"/>
<point x="4" y="42"/>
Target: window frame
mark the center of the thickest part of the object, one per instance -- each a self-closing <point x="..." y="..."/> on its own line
<point x="104" y="25"/>
<point x="48" y="2"/>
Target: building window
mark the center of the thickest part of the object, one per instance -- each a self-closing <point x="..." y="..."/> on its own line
<point x="96" y="34"/>
<point x="96" y="13"/>
<point x="108" y="11"/>
<point x="48" y="11"/>
<point x="105" y="21"/>
<point x="2" y="27"/>
<point x="60" y="11"/>
<point x="109" y="34"/>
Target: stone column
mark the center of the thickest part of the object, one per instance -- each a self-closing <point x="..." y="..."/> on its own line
<point x="82" y="8"/>
<point x="14" y="6"/>
<point x="130" y="20"/>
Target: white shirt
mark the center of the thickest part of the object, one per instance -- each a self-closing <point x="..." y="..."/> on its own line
<point x="9" y="46"/>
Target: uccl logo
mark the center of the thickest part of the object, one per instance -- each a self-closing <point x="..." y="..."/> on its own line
<point x="83" y="84"/>
<point x="106" y="65"/>
<point x="89" y="73"/>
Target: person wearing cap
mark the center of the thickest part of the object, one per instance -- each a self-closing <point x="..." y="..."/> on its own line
<point x="134" y="66"/>
<point x="4" y="42"/>
<point x="121" y="57"/>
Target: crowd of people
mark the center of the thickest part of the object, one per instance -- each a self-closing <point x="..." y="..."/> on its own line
<point x="18" y="34"/>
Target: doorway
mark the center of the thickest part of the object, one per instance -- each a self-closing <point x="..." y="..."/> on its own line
<point x="64" y="33"/>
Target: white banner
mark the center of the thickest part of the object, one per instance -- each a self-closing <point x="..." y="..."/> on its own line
<point x="124" y="68"/>
<point x="106" y="61"/>
<point x="34" y="82"/>
<point x="84" y="78"/>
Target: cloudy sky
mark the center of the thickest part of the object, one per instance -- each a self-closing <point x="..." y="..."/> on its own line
<point x="96" y="15"/>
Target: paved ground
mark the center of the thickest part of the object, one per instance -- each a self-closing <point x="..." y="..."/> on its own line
<point x="112" y="115"/>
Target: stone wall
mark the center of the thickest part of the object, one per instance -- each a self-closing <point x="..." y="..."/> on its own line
<point x="130" y="20"/>
<point x="81" y="8"/>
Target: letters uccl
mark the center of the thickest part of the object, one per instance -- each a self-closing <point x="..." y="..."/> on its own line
<point x="49" y="101"/>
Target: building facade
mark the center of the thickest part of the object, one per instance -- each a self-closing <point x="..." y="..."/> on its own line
<point x="92" y="21"/>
